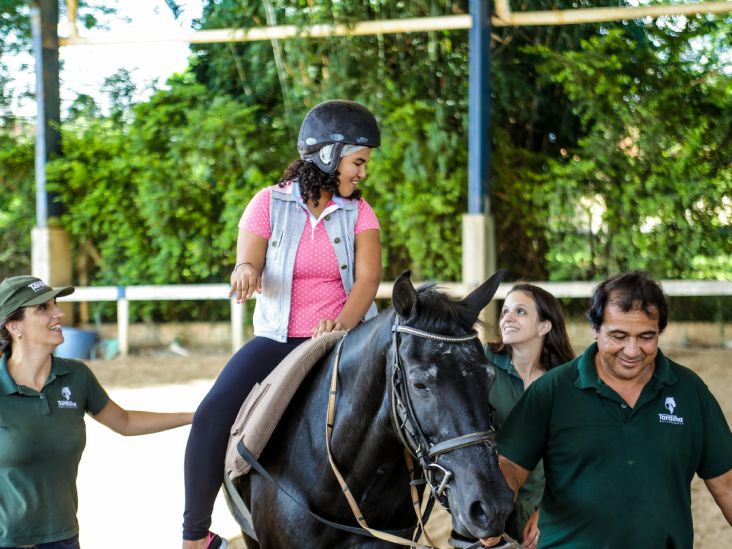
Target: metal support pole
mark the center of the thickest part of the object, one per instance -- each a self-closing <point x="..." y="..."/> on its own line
<point x="479" y="105"/>
<point x="50" y="243"/>
<point x="479" y="260"/>
<point x="44" y="22"/>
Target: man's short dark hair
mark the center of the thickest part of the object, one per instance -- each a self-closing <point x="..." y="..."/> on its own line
<point x="631" y="290"/>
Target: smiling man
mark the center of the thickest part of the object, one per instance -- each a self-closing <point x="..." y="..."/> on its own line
<point x="622" y="431"/>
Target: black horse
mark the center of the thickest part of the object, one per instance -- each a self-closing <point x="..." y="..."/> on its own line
<point x="415" y="375"/>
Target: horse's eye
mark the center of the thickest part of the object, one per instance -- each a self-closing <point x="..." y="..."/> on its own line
<point x="419" y="386"/>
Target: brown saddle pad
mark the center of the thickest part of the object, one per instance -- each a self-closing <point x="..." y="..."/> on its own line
<point x="263" y="408"/>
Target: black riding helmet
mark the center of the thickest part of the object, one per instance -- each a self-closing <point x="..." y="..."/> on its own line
<point x="337" y="122"/>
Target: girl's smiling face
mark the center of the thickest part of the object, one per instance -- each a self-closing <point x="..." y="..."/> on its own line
<point x="352" y="170"/>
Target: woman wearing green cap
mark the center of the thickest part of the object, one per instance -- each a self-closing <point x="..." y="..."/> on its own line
<point x="43" y="400"/>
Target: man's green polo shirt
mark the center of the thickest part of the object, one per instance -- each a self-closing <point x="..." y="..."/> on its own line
<point x="618" y="476"/>
<point x="507" y="389"/>
<point x="42" y="436"/>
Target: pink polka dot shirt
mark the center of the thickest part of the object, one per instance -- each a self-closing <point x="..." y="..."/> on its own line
<point x="317" y="290"/>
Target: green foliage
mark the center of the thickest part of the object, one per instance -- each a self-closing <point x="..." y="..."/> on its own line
<point x="415" y="83"/>
<point x="14" y="26"/>
<point x="648" y="184"/>
<point x="611" y="148"/>
<point x="17" y="199"/>
<point x="417" y="182"/>
<point x="158" y="201"/>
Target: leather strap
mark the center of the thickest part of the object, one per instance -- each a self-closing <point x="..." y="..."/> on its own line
<point x="460" y="442"/>
<point x="330" y="420"/>
<point x="259" y="468"/>
<point x="239" y="509"/>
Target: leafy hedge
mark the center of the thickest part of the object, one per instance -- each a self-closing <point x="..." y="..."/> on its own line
<point x="611" y="150"/>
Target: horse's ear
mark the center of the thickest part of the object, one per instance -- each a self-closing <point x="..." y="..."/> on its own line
<point x="482" y="295"/>
<point x="404" y="296"/>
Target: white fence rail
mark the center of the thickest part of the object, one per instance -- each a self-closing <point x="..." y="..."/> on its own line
<point x="124" y="294"/>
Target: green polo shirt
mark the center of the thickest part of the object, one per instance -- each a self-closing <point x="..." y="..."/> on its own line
<point x="42" y="436"/>
<point x="505" y="392"/>
<point x="618" y="476"/>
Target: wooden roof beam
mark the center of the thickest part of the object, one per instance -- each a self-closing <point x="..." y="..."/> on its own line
<point x="503" y="17"/>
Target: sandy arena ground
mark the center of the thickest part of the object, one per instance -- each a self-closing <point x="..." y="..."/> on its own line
<point x="131" y="489"/>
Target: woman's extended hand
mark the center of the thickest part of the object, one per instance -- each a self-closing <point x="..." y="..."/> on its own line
<point x="531" y="532"/>
<point x="245" y="280"/>
<point x="327" y="325"/>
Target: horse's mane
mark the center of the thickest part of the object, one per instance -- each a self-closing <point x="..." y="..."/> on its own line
<point x="439" y="313"/>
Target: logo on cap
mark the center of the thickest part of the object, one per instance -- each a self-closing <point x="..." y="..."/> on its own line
<point x="37" y="286"/>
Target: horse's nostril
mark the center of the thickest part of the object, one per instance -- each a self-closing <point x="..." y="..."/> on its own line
<point x="478" y="513"/>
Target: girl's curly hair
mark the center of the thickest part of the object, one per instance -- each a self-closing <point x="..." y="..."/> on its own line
<point x="313" y="181"/>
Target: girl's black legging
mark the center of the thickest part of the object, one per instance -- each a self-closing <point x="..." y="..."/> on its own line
<point x="206" y="448"/>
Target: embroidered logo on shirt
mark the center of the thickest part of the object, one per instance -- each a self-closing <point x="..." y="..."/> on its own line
<point x="68" y="403"/>
<point x="670" y="405"/>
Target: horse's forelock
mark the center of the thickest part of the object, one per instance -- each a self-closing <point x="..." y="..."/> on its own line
<point x="439" y="313"/>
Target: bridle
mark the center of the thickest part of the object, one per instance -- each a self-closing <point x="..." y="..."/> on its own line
<point x="406" y="423"/>
<point x="416" y="445"/>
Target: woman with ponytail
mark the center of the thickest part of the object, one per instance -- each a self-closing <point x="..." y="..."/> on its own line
<point x="43" y="402"/>
<point x="533" y="341"/>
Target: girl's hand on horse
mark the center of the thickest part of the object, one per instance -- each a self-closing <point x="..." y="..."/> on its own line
<point x="245" y="280"/>
<point x="326" y="325"/>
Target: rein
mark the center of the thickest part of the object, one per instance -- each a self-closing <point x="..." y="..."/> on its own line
<point x="353" y="504"/>
<point x="409" y="432"/>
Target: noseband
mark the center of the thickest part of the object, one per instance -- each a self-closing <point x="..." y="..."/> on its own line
<point x="406" y="423"/>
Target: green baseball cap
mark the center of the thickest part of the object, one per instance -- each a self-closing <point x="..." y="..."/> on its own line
<point x="24" y="291"/>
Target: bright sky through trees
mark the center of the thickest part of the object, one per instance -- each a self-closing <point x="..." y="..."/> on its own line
<point x="84" y="68"/>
